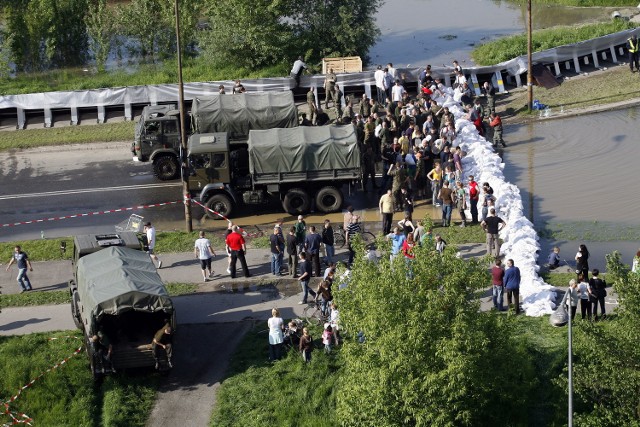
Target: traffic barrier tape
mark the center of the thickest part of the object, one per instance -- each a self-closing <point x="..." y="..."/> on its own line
<point x="19" y="417"/>
<point x="35" y="221"/>
<point x="219" y="214"/>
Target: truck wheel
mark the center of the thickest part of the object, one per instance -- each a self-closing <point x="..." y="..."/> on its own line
<point x="166" y="168"/>
<point x="296" y="201"/>
<point x="75" y="310"/>
<point x="329" y="199"/>
<point x="221" y="204"/>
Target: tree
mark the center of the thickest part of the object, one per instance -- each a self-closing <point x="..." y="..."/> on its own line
<point x="607" y="357"/>
<point x="429" y="356"/>
<point x="5" y="55"/>
<point x="100" y="22"/>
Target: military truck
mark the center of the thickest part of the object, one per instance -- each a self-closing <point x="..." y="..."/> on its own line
<point x="303" y="167"/>
<point x="157" y="136"/>
<point x="117" y="291"/>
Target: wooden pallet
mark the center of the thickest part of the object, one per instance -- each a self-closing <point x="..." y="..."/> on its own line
<point x="346" y="64"/>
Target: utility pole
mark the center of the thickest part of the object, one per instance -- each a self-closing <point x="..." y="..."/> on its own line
<point x="183" y="135"/>
<point x="529" y="64"/>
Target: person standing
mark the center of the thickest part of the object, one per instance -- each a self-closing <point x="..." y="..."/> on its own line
<point x="386" y="210"/>
<point x="296" y="71"/>
<point x="352" y="230"/>
<point x="312" y="244"/>
<point x="571" y="298"/>
<point x="292" y="251"/>
<point x="496" y="124"/>
<point x="461" y="202"/>
<point x="338" y="96"/>
<point x="328" y="241"/>
<point x="585" y="297"/>
<point x="446" y="195"/>
<point x="276" y="335"/>
<point x="301" y="232"/>
<point x="497" y="282"/>
<point x="490" y="93"/>
<point x="492" y="226"/>
<point x="22" y="260"/>
<point x="305" y="278"/>
<point x="329" y="88"/>
<point x="381" y="92"/>
<point x="204" y="252"/>
<point x="512" y="285"/>
<point x="598" y="292"/>
<point x="311" y="103"/>
<point x="397" y="241"/>
<point x="163" y="339"/>
<point x="632" y="48"/>
<point x="102" y="352"/>
<point x="277" y="246"/>
<point x="582" y="261"/>
<point x="474" y="196"/>
<point x="237" y="247"/>
<point x="306" y="345"/>
<point x="151" y="242"/>
<point x="435" y="176"/>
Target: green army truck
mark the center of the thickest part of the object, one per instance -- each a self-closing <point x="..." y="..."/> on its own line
<point x="304" y="168"/>
<point x="157" y="133"/>
<point x="116" y="292"/>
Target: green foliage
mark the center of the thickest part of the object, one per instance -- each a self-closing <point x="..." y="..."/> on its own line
<point x="100" y="21"/>
<point x="6" y="40"/>
<point x="35" y="298"/>
<point x="67" y="396"/>
<point x="31" y="138"/>
<point x="256" y="34"/>
<point x="606" y="370"/>
<point x="507" y="48"/>
<point x="430" y="357"/>
<point x="286" y="393"/>
<point x="47" y="32"/>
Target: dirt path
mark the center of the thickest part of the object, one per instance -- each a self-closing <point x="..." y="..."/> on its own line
<point x="188" y="395"/>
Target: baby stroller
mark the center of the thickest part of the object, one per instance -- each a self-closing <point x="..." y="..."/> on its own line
<point x="292" y="334"/>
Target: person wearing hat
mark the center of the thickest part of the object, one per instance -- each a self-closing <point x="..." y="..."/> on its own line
<point x="151" y="242"/>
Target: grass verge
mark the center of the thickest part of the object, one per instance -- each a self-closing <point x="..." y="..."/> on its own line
<point x="62" y="297"/>
<point x="288" y="382"/>
<point x="32" y="138"/>
<point x="67" y="396"/>
<point x="286" y="393"/>
<point x="506" y="48"/>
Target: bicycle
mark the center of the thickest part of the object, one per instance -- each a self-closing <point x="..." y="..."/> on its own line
<point x="313" y="314"/>
<point x="339" y="239"/>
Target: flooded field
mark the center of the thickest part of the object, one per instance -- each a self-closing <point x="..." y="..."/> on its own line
<point x="577" y="181"/>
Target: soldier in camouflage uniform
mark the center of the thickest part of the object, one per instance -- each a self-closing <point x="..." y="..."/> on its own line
<point x="365" y="107"/>
<point x="311" y="102"/>
<point x="338" y="101"/>
<point x="329" y="88"/>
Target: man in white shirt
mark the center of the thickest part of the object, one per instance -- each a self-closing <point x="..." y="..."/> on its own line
<point x="296" y="71"/>
<point x="151" y="240"/>
<point x="204" y="252"/>
<point x="397" y="91"/>
<point x="380" y="88"/>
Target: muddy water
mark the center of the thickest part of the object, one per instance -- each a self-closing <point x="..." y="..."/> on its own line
<point x="420" y="32"/>
<point x="578" y="180"/>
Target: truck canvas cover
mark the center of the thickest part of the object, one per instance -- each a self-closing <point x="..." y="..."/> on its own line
<point x="307" y="149"/>
<point x="238" y="114"/>
<point x="119" y="279"/>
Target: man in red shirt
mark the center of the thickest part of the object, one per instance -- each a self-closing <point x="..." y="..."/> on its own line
<point x="236" y="246"/>
<point x="474" y="196"/>
<point x="497" y="276"/>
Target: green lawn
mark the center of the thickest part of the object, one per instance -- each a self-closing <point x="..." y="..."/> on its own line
<point x="67" y="396"/>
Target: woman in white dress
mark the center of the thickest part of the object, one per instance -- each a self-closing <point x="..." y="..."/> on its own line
<point x="276" y="337"/>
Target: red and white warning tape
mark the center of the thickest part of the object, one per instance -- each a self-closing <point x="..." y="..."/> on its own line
<point x="155" y="205"/>
<point x="19" y="417"/>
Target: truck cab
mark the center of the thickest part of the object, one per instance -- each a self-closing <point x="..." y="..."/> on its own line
<point x="157" y="139"/>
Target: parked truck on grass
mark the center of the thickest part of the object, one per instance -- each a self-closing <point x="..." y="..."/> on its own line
<point x="302" y="167"/>
<point x="157" y="133"/>
<point x="116" y="292"/>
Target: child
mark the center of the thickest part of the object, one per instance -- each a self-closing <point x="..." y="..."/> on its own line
<point x="327" y="337"/>
<point x="306" y="345"/>
<point x="554" y="258"/>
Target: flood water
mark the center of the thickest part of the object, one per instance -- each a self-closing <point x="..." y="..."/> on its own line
<point x="420" y="32"/>
<point x="577" y="177"/>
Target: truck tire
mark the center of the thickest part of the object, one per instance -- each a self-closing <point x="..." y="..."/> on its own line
<point x="221" y="204"/>
<point x="166" y="168"/>
<point x="75" y="310"/>
<point x="296" y="201"/>
<point x="329" y="199"/>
